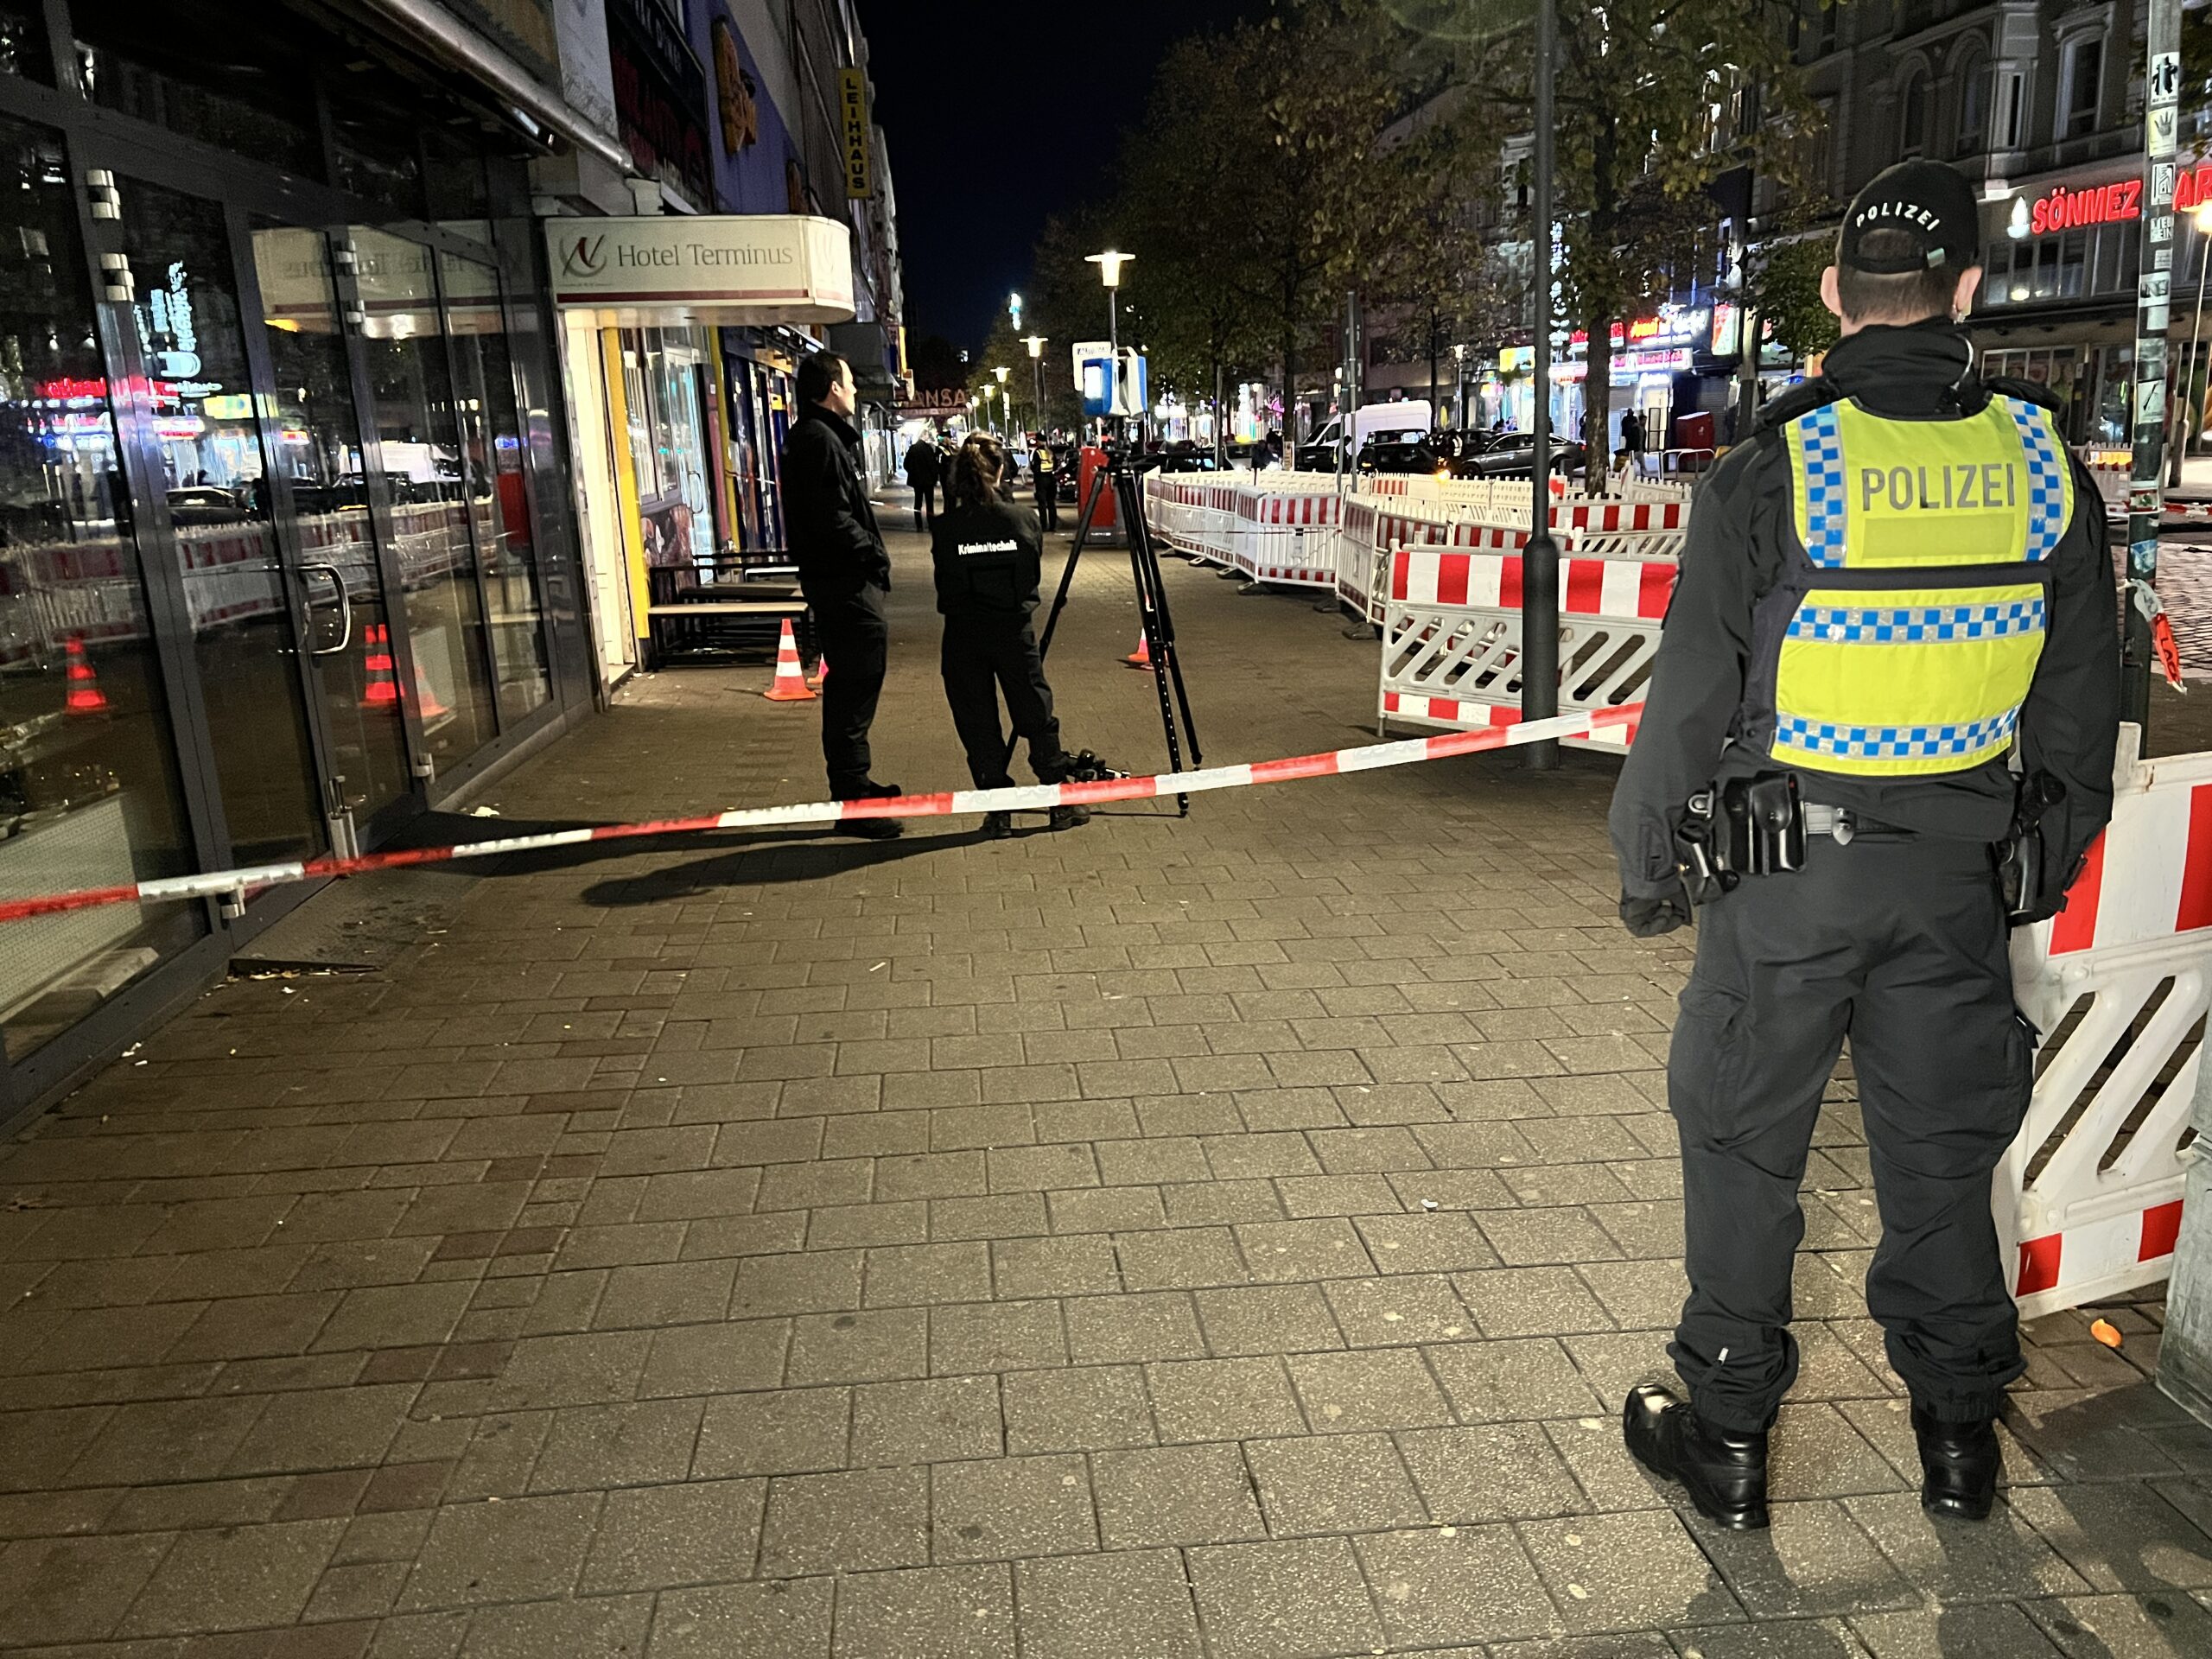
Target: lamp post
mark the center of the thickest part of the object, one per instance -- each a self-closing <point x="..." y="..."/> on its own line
<point x="1036" y="344"/>
<point x="1007" y="399"/>
<point x="1110" y="265"/>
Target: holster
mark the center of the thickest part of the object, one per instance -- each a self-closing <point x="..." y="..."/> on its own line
<point x="1746" y="826"/>
<point x="2021" y="856"/>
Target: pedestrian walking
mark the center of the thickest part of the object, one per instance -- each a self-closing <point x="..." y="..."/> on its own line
<point x="1631" y="435"/>
<point x="1047" y="460"/>
<point x="988" y="555"/>
<point x="1892" y="651"/>
<point x="921" y="478"/>
<point x="845" y="572"/>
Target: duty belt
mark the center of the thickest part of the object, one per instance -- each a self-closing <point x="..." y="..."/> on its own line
<point x="1844" y="825"/>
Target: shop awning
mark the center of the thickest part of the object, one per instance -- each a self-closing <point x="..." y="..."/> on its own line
<point x="727" y="269"/>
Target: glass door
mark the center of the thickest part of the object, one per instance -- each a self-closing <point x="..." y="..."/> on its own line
<point x="317" y="429"/>
<point x="410" y="385"/>
<point x="207" y="465"/>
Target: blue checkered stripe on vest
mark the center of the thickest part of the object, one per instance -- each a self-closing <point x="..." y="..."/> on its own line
<point x="2046" y="479"/>
<point x="1894" y="742"/>
<point x="1822" y="446"/>
<point x="1915" y="624"/>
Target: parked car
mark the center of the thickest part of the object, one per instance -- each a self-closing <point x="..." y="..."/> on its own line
<point x="1409" y="450"/>
<point x="1187" y="458"/>
<point x="1511" y="454"/>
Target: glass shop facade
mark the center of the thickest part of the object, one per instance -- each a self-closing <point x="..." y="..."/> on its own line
<point x="286" y="551"/>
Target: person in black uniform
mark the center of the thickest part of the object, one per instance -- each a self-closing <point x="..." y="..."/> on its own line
<point x="988" y="555"/>
<point x="1044" y="463"/>
<point x="921" y="478"/>
<point x="845" y="572"/>
<point x="1896" y="597"/>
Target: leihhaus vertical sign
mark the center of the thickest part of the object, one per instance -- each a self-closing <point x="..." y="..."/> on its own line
<point x="852" y="104"/>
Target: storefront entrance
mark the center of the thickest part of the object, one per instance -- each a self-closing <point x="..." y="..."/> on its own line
<point x="270" y="518"/>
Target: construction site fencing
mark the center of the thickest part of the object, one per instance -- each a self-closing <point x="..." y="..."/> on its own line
<point x="2089" y="1199"/>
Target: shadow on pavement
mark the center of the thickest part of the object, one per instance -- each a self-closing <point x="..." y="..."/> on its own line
<point x="745" y="860"/>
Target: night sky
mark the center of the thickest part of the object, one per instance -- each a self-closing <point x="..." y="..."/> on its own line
<point x="997" y="116"/>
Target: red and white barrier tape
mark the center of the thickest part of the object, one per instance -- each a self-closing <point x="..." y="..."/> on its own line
<point x="1027" y="798"/>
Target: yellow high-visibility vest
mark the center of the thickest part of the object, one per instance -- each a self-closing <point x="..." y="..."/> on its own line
<point x="1903" y="637"/>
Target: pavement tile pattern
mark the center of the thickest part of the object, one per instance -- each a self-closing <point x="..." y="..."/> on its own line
<point x="1220" y="1239"/>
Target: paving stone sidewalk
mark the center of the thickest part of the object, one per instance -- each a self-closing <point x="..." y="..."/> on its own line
<point x="1227" y="1237"/>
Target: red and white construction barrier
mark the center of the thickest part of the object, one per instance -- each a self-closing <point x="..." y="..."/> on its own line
<point x="1035" y="798"/>
<point x="1452" y="638"/>
<point x="1275" y="534"/>
<point x="2119" y="982"/>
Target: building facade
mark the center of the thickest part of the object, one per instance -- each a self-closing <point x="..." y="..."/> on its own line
<point x="2041" y="103"/>
<point x="723" y="106"/>
<point x="317" y="507"/>
<point x="287" y="553"/>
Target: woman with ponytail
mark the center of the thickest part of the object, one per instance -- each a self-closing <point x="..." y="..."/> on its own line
<point x="989" y="557"/>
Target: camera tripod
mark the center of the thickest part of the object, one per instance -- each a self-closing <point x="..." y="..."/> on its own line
<point x="1124" y="471"/>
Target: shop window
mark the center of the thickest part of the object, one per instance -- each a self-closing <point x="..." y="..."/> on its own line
<point x="229" y="79"/>
<point x="411" y="382"/>
<point x="89" y="786"/>
<point x="2080" y="87"/>
<point x="667" y="442"/>
<point x="498" y="490"/>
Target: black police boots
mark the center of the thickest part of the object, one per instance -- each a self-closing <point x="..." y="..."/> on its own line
<point x="1724" y="1472"/>
<point x="1959" y="1464"/>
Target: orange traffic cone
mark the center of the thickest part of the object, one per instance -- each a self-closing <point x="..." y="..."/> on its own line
<point x="1142" y="656"/>
<point x="789" y="684"/>
<point x="382" y="690"/>
<point x="84" y="697"/>
<point x="426" y="701"/>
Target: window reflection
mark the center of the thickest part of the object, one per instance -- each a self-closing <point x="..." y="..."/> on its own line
<point x="498" y="490"/>
<point x="319" y="450"/>
<point x="89" y="792"/>
<point x="224" y="541"/>
<point x="412" y="385"/>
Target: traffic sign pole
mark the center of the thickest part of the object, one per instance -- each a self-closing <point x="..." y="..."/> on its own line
<point x="2153" y="308"/>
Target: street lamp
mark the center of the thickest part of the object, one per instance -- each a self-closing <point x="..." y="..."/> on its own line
<point x="1036" y="344"/>
<point x="1110" y="265"/>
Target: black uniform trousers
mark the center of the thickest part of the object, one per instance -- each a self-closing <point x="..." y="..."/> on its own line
<point x="1898" y="943"/>
<point x="984" y="656"/>
<point x="1048" y="500"/>
<point x="854" y="640"/>
<point x="924" y="505"/>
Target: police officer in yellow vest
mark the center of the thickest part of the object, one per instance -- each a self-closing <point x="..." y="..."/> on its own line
<point x="1879" y="730"/>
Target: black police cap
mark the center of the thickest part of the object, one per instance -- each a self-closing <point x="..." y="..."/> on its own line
<point x="1930" y="203"/>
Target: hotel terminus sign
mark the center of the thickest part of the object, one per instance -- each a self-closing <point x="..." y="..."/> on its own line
<point x="733" y="269"/>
